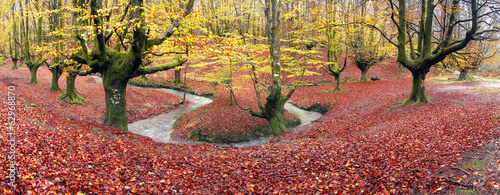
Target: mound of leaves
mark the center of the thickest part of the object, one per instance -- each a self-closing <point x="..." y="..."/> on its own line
<point x="224" y="122"/>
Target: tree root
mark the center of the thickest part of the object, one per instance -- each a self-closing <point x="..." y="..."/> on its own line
<point x="72" y="99"/>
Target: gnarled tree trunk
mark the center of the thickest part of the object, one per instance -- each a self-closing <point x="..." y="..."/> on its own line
<point x="56" y="74"/>
<point x="418" y="87"/>
<point x="116" y="102"/>
<point x="70" y="95"/>
<point x="464" y="75"/>
<point x="430" y="53"/>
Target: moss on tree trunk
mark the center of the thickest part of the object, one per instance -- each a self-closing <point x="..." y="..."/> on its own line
<point x="70" y="95"/>
<point x="363" y="75"/>
<point x="276" y="124"/>
<point x="115" y="85"/>
<point x="464" y="75"/>
<point x="33" y="70"/>
<point x="116" y="110"/>
<point x="177" y="79"/>
<point x="418" y="88"/>
<point x="56" y="74"/>
<point x="338" y="83"/>
<point x="14" y="64"/>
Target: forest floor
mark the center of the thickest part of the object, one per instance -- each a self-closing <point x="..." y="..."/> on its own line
<point x="365" y="143"/>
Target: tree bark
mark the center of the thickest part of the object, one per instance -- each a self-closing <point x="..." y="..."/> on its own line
<point x="338" y="83"/>
<point x="14" y="66"/>
<point x="464" y="75"/>
<point x="33" y="65"/>
<point x="274" y="107"/>
<point x="177" y="79"/>
<point x="116" y="101"/>
<point x="276" y="124"/>
<point x="70" y="95"/>
<point x="332" y="50"/>
<point x="33" y="69"/>
<point x="363" y="75"/>
<point x="418" y="88"/>
<point x="419" y="65"/>
<point x="56" y="74"/>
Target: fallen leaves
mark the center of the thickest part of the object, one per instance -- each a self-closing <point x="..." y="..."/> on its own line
<point x="362" y="148"/>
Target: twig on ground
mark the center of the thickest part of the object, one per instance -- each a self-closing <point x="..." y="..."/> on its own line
<point x="458" y="183"/>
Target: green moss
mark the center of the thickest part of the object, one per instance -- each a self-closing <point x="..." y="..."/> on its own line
<point x="496" y="116"/>
<point x="73" y="99"/>
<point x="475" y="164"/>
<point x="396" y="104"/>
<point x="178" y="121"/>
<point x="31" y="106"/>
<point x="203" y="112"/>
<point x="465" y="192"/>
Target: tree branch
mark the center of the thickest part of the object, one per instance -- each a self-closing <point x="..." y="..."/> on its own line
<point x="175" y="24"/>
<point x="150" y="70"/>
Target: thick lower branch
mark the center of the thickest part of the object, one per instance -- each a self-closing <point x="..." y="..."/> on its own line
<point x="158" y="68"/>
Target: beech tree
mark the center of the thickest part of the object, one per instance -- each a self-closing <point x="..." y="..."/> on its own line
<point x="365" y="43"/>
<point x="470" y="58"/>
<point x="116" y="66"/>
<point x="33" y="64"/>
<point x="4" y="36"/>
<point x="274" y="107"/>
<point x="14" y="36"/>
<point x="55" y="50"/>
<point x="333" y="44"/>
<point x="435" y="27"/>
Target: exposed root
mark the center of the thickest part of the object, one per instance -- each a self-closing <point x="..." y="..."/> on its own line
<point x="72" y="99"/>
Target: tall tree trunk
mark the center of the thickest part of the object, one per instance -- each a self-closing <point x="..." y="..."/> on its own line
<point x="116" y="101"/>
<point x="70" y="95"/>
<point x="33" y="69"/>
<point x="14" y="64"/>
<point x="31" y="63"/>
<point x="338" y="82"/>
<point x="464" y="75"/>
<point x="332" y="50"/>
<point x="363" y="75"/>
<point x="274" y="108"/>
<point x="56" y="68"/>
<point x="177" y="79"/>
<point x="275" y="105"/>
<point x="15" y="58"/>
<point x="56" y="74"/>
<point x="418" y="87"/>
